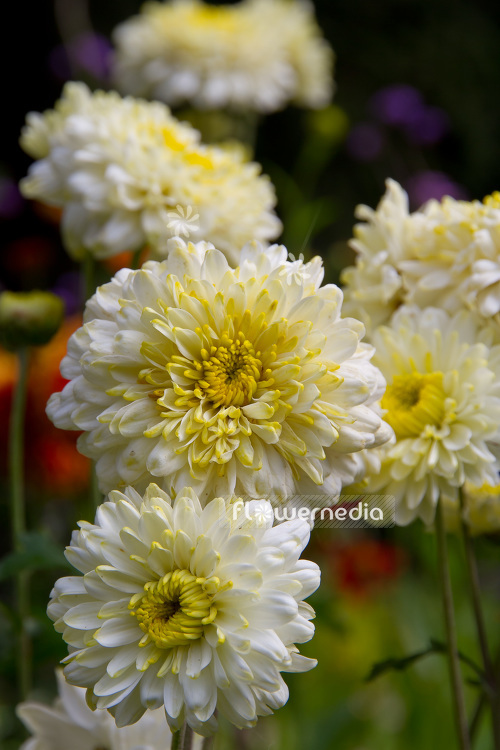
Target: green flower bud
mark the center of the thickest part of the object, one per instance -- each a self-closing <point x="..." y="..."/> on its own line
<point x="330" y="124"/>
<point x="29" y="318"/>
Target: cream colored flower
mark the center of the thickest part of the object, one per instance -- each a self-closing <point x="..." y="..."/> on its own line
<point x="256" y="54"/>
<point x="244" y="380"/>
<point x="118" y="167"/>
<point x="457" y="258"/>
<point x="481" y="510"/>
<point x="443" y="402"/>
<point x="70" y="723"/>
<point x="194" y="610"/>
<point x="447" y="255"/>
<point x="374" y="287"/>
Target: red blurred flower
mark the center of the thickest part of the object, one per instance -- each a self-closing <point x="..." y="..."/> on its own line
<point x="365" y="566"/>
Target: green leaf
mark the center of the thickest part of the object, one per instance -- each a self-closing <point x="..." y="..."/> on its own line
<point x="37" y="552"/>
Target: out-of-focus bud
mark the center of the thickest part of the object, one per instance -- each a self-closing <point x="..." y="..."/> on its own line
<point x="330" y="124"/>
<point x="29" y="318"/>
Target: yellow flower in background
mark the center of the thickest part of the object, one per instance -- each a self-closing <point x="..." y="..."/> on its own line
<point x="245" y="380"/>
<point x="443" y="403"/>
<point x="125" y="171"/>
<point x="256" y="55"/>
<point x="481" y="509"/>
<point x="446" y="254"/>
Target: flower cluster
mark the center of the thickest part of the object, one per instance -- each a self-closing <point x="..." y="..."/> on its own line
<point x="447" y="255"/>
<point x="193" y="609"/>
<point x="117" y="167"/>
<point x="245" y="380"/>
<point x="226" y="56"/>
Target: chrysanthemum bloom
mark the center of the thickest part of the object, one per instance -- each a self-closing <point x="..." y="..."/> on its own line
<point x="244" y="380"/>
<point x="118" y="167"/>
<point x="194" y="610"/>
<point x="226" y="56"/>
<point x="443" y="402"/>
<point x="447" y="254"/>
<point x="70" y="723"/>
<point x="458" y="259"/>
<point x="481" y="510"/>
<point x="374" y="287"/>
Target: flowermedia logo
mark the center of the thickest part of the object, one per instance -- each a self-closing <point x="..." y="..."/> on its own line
<point x="346" y="511"/>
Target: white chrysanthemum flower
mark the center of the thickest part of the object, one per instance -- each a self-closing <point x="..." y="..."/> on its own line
<point x="226" y="56"/>
<point x="118" y="167"/>
<point x="447" y="255"/>
<point x="244" y="380"/>
<point x="443" y="402"/>
<point x="457" y="256"/>
<point x="194" y="610"/>
<point x="480" y="511"/>
<point x="374" y="288"/>
<point x="70" y="723"/>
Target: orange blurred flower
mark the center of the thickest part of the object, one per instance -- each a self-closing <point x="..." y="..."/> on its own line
<point x="54" y="462"/>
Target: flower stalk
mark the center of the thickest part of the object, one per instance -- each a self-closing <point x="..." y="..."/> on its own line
<point x="451" y="634"/>
<point x="88" y="268"/>
<point x="18" y="518"/>
<point x="475" y="593"/>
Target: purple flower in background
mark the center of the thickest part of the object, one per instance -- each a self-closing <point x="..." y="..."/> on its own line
<point x="365" y="142"/>
<point x="88" y="52"/>
<point x="69" y="288"/>
<point x="428" y="127"/>
<point x="430" y="184"/>
<point x="11" y="200"/>
<point x="397" y="105"/>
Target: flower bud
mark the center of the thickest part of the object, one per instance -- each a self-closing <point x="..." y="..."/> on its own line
<point x="29" y="318"/>
<point x="329" y="125"/>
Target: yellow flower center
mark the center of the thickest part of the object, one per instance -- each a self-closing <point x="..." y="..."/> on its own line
<point x="413" y="402"/>
<point x="174" y="610"/>
<point x="482" y="491"/>
<point x="228" y="374"/>
<point x="222" y="19"/>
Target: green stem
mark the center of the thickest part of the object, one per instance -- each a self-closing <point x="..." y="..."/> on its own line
<point x="207" y="743"/>
<point x="88" y="265"/>
<point x="18" y="518"/>
<point x="176" y="740"/>
<point x="95" y="493"/>
<point x="451" y="634"/>
<point x="88" y="268"/>
<point x="136" y="257"/>
<point x="475" y="593"/>
<point x="481" y="705"/>
<point x="187" y="738"/>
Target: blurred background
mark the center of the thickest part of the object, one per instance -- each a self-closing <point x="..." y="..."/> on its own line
<point x="418" y="100"/>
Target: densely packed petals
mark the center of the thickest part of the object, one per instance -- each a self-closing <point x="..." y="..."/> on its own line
<point x="443" y="402"/>
<point x="190" y="609"/>
<point x="125" y="172"/>
<point x="70" y="723"/>
<point x="242" y="380"/>
<point x="373" y="288"/>
<point x="447" y="254"/>
<point x="226" y="56"/>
